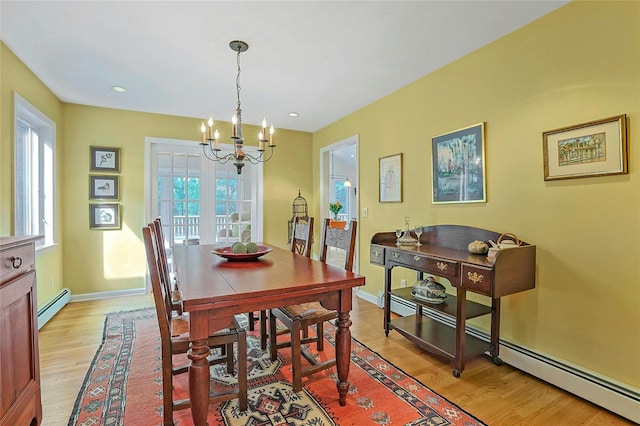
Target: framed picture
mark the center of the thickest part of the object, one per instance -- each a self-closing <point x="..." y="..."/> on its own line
<point x="105" y="159"/>
<point x="104" y="187"/>
<point x="391" y="179"/>
<point x="597" y="148"/>
<point x="458" y="166"/>
<point x="104" y="216"/>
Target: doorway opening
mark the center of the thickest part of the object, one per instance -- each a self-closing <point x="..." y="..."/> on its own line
<point x="339" y="182"/>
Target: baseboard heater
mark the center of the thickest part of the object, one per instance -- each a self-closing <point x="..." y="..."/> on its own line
<point x="619" y="398"/>
<point x="53" y="306"/>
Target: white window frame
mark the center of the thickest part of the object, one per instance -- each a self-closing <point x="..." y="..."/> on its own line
<point x="207" y="183"/>
<point x="46" y="172"/>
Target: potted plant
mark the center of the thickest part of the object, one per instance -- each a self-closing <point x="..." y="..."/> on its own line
<point x="335" y="208"/>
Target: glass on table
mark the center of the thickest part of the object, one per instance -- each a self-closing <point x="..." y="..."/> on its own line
<point x="398" y="235"/>
<point x="418" y="231"/>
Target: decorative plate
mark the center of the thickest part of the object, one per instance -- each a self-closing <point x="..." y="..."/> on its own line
<point x="240" y="257"/>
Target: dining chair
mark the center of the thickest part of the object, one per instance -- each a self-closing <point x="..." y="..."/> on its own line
<point x="166" y="278"/>
<point x="297" y="318"/>
<point x="301" y="242"/>
<point x="174" y="340"/>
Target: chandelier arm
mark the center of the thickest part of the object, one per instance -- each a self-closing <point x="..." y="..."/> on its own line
<point x="220" y="159"/>
<point x="259" y="158"/>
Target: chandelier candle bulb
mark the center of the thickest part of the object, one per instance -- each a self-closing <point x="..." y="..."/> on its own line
<point x="211" y="127"/>
<point x="234" y="121"/>
<point x="260" y="141"/>
<point x="203" y="129"/>
<point x="216" y="135"/>
<point x="271" y="130"/>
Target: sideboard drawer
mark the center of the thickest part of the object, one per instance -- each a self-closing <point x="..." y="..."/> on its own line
<point x="434" y="265"/>
<point x="376" y="255"/>
<point x="476" y="279"/>
<point x="16" y="261"/>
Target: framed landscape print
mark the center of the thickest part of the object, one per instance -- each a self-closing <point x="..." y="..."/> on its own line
<point x="104" y="216"/>
<point x="105" y="159"/>
<point x="597" y="148"/>
<point x="104" y="187"/>
<point x="390" y="178"/>
<point x="458" y="166"/>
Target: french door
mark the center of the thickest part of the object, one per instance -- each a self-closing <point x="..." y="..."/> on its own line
<point x="201" y="201"/>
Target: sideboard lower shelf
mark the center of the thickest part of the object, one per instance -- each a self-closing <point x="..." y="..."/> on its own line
<point x="436" y="337"/>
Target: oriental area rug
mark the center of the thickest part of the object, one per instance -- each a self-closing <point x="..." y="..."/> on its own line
<point x="124" y="387"/>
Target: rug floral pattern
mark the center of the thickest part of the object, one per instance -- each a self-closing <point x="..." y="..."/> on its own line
<point x="123" y="387"/>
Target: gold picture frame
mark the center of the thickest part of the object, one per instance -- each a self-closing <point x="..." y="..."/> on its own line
<point x="596" y="148"/>
<point x="105" y="216"/>
<point x="104" y="187"/>
<point x="390" y="179"/>
<point x="104" y="159"/>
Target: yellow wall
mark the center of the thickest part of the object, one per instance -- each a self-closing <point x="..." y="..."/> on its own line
<point x="15" y="77"/>
<point x="115" y="260"/>
<point x="96" y="261"/>
<point x="578" y="64"/>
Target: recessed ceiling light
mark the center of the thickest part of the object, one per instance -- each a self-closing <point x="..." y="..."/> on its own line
<point x="118" y="89"/>
<point x="293" y="114"/>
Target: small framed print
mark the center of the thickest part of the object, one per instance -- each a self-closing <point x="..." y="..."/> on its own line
<point x="104" y="159"/>
<point x="390" y="178"/>
<point x="104" y="187"/>
<point x="597" y="148"/>
<point x="104" y="216"/>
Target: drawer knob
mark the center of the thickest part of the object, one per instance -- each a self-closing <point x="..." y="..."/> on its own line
<point x="16" y="262"/>
<point x="396" y="255"/>
<point x="376" y="253"/>
<point x="416" y="258"/>
<point x="475" y="277"/>
<point x="442" y="266"/>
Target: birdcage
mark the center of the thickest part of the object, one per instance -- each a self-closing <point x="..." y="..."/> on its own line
<point x="298" y="209"/>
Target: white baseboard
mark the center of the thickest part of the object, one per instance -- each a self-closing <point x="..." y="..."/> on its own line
<point x="107" y="294"/>
<point x="53" y="306"/>
<point x="620" y="398"/>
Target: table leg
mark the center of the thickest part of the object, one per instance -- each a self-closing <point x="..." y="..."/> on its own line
<point x="343" y="354"/>
<point x="199" y="381"/>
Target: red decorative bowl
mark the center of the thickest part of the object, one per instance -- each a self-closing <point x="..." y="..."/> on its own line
<point x="240" y="257"/>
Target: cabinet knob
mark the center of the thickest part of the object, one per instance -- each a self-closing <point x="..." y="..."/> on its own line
<point x="416" y="258"/>
<point x="376" y="253"/>
<point x="395" y="254"/>
<point x="16" y="262"/>
<point x="442" y="266"/>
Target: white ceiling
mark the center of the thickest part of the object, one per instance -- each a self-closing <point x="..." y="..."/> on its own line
<point x="322" y="59"/>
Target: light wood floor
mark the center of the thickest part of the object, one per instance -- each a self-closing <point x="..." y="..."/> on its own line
<point x="495" y="395"/>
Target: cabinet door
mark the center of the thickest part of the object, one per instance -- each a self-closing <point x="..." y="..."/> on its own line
<point x="19" y="364"/>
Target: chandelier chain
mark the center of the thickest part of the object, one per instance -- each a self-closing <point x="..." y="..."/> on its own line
<point x="238" y="78"/>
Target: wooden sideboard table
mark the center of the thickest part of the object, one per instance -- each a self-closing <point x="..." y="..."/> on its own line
<point x="20" y="402"/>
<point x="444" y="253"/>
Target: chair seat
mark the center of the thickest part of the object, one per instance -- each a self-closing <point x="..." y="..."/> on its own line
<point x="307" y="311"/>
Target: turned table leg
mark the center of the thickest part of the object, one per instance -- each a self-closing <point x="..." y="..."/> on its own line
<point x="343" y="354"/>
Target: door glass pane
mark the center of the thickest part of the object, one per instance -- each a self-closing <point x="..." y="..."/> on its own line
<point x="337" y="192"/>
<point x="235" y="201"/>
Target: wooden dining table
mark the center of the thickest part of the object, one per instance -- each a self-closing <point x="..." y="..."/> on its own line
<point x="214" y="289"/>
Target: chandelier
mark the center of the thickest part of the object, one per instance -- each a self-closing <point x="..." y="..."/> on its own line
<point x="210" y="135"/>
